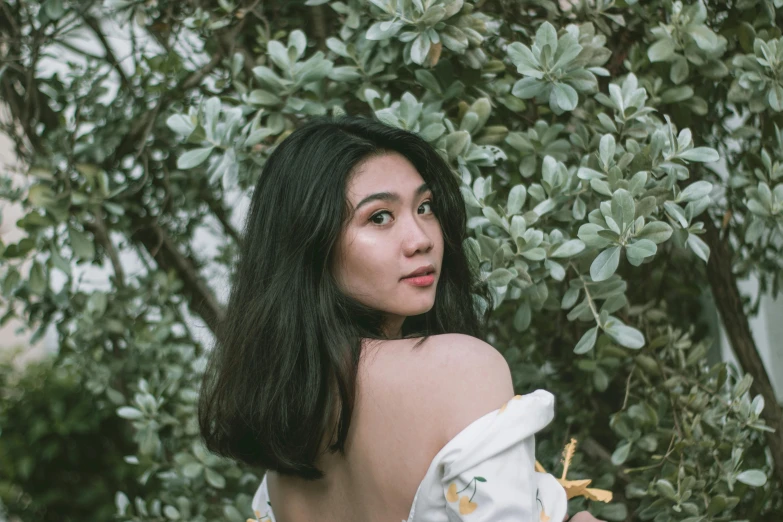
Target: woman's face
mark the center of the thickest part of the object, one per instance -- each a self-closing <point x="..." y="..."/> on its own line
<point x="392" y="232"/>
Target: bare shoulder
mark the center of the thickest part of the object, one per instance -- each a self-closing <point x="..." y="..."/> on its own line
<point x="450" y="380"/>
<point x="474" y="379"/>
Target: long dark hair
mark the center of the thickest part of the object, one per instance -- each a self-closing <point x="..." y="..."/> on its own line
<point x="286" y="355"/>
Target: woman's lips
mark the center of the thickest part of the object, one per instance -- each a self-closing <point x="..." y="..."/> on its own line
<point x="422" y="280"/>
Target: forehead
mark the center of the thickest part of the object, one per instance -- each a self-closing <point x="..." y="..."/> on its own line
<point x="388" y="172"/>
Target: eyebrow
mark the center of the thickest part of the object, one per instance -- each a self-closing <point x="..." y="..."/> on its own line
<point x="389" y="196"/>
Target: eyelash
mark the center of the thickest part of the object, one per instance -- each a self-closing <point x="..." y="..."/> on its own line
<point x="432" y="206"/>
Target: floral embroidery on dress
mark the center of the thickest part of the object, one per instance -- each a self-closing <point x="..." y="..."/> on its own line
<point x="503" y="408"/>
<point x="466" y="507"/>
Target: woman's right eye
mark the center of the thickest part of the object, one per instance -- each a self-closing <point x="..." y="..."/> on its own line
<point x="374" y="216"/>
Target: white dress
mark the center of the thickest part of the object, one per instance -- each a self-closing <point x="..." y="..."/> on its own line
<point x="485" y="473"/>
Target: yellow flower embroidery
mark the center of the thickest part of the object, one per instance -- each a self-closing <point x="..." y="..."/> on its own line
<point x="451" y="494"/>
<point x="466" y="506"/>
<point x="503" y="408"/>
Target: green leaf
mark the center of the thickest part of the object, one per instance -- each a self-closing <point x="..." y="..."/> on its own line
<point x="624" y="335"/>
<point x="516" y="199"/>
<point x="452" y="7"/>
<point x="298" y="41"/>
<point x="703" y="37"/>
<point x="695" y="191"/>
<point x="420" y="48"/>
<point x="522" y="317"/>
<point x="192" y="469"/>
<point x="666" y="489"/>
<point x="528" y="88"/>
<point x="127" y="412"/>
<point x="775" y="97"/>
<point x="606" y="150"/>
<point x="605" y="264"/>
<point x="383" y="30"/>
<point x="37" y="283"/>
<point x="702" y="154"/>
<point x="568" y="249"/>
<point x="214" y="478"/>
<point x="180" y="124"/>
<point x="677" y="94"/>
<point x="661" y="51"/>
<point x="428" y="80"/>
<point x="500" y="277"/>
<point x="623" y="208"/>
<point x="546" y="35"/>
<point x="523" y="58"/>
<point x="432" y="131"/>
<point x="194" y="158"/>
<point x="699" y="247"/>
<point x="588" y="233"/>
<point x="54" y="9"/>
<point x="171" y="513"/>
<point x="587" y="341"/>
<point x="278" y="54"/>
<point x="642" y="248"/>
<point x="752" y="477"/>
<point x="262" y="97"/>
<point x="83" y="248"/>
<point x="676" y="212"/>
<point x="456" y="143"/>
<point x="122" y="502"/>
<point x="620" y="455"/>
<point x="564" y="96"/>
<point x="679" y="70"/>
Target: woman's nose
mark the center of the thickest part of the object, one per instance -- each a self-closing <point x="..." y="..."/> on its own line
<point x="417" y="237"/>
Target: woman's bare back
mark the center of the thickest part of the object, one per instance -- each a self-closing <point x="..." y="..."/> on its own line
<point x="398" y="427"/>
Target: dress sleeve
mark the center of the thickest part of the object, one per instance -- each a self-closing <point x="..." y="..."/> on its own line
<point x="489" y="468"/>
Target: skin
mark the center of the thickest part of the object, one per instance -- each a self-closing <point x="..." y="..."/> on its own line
<point x="387" y="239"/>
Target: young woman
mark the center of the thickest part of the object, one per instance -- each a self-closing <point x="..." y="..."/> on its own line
<point x="350" y="364"/>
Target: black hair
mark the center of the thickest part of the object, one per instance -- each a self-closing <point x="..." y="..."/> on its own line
<point x="283" y="370"/>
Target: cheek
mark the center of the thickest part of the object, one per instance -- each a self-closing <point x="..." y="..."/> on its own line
<point x="364" y="260"/>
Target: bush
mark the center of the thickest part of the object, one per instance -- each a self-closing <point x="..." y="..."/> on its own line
<point x="61" y="447"/>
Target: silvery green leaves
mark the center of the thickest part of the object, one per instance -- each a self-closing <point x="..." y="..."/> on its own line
<point x="615" y="227"/>
<point x="759" y="81"/>
<point x="536" y="142"/>
<point x="213" y="132"/>
<point x="552" y="69"/>
<point x="281" y="90"/>
<point x="464" y="144"/>
<point x="687" y="41"/>
<point x="628" y="102"/>
<point x="609" y="294"/>
<point x="766" y="206"/>
<point x="424" y="27"/>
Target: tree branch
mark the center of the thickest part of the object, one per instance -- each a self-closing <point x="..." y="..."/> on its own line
<point x="93" y="24"/>
<point x="161" y="247"/>
<point x="729" y="303"/>
<point x="98" y="229"/>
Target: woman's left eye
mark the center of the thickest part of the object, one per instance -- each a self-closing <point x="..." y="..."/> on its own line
<point x="379" y="214"/>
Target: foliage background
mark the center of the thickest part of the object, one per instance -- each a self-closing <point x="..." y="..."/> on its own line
<point x="620" y="161"/>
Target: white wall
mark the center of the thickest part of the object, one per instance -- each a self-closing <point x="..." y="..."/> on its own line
<point x="767" y="331"/>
